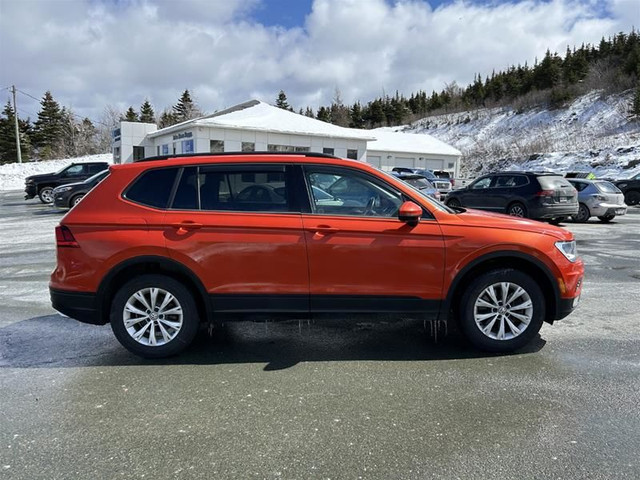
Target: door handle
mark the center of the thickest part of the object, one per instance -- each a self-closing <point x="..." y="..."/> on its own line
<point x="186" y="226"/>
<point x="325" y="229"/>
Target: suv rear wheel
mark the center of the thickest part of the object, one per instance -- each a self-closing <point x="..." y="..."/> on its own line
<point x="517" y="209"/>
<point x="502" y="310"/>
<point x="154" y="316"/>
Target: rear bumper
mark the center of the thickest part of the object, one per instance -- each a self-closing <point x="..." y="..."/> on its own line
<point x="607" y="209"/>
<point x="554" y="211"/>
<point x="80" y="306"/>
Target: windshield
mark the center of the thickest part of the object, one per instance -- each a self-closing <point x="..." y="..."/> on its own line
<point x="606" y="187"/>
<point x="419" y="183"/>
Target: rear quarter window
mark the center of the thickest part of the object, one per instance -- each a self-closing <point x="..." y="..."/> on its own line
<point x="552" y="182"/>
<point x="153" y="187"/>
<point x="606" y="187"/>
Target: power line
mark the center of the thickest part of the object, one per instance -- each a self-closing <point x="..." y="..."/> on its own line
<point x="70" y="112"/>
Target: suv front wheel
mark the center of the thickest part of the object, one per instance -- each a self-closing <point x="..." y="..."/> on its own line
<point x="154" y="316"/>
<point x="502" y="310"/>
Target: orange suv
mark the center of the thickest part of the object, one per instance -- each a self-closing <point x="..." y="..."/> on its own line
<point x="161" y="246"/>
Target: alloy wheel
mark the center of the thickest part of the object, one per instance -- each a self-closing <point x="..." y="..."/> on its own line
<point x="503" y="311"/>
<point x="152" y="316"/>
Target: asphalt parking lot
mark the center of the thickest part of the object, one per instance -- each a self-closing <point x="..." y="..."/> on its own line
<point x="333" y="398"/>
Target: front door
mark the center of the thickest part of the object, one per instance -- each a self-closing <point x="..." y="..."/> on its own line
<point x="361" y="257"/>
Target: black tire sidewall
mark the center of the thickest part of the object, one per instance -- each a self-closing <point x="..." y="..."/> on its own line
<point x="582" y="218"/>
<point x="454" y="202"/>
<point x="522" y="206"/>
<point x="190" y="322"/>
<point x="42" y="190"/>
<point x="73" y="199"/>
<point x="468" y="324"/>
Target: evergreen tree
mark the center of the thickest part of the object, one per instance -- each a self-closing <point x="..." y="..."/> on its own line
<point x="147" y="115"/>
<point x="324" y="114"/>
<point x="357" y="121"/>
<point x="130" y="115"/>
<point x="48" y="128"/>
<point x="186" y="108"/>
<point x="8" y="148"/>
<point x="309" y="112"/>
<point x="281" y="101"/>
<point x="167" y="118"/>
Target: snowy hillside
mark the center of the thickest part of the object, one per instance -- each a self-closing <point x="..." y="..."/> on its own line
<point x="592" y="134"/>
<point x="12" y="175"/>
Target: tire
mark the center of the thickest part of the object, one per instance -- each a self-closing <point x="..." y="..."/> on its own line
<point x="172" y="333"/>
<point x="46" y="194"/>
<point x="75" y="200"/>
<point x="632" y="197"/>
<point x="583" y="214"/>
<point x="517" y="209"/>
<point x="557" y="221"/>
<point x="606" y="218"/>
<point x="477" y="313"/>
<point x="454" y="203"/>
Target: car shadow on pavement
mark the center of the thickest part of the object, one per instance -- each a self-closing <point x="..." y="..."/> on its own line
<point x="54" y="341"/>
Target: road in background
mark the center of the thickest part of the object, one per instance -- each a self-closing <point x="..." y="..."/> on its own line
<point x="335" y="398"/>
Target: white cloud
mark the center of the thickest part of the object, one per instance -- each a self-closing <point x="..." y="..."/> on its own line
<point x="90" y="54"/>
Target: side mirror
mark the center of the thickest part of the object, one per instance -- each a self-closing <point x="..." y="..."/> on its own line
<point x="410" y="213"/>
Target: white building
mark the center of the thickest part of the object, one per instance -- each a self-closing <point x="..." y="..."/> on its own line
<point x="258" y="126"/>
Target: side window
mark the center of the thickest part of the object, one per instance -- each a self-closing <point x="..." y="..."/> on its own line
<point x="347" y="192"/>
<point x="74" y="171"/>
<point x="255" y="190"/>
<point x="153" y="187"/>
<point x="482" y="183"/>
<point x="186" y="197"/>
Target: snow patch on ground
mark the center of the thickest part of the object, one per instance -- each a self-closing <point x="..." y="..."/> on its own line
<point x="12" y="175"/>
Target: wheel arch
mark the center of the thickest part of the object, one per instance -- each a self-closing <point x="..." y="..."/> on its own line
<point x="505" y="259"/>
<point x="132" y="267"/>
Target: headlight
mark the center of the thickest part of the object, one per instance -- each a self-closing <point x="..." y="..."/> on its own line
<point x="61" y="189"/>
<point x="568" y="249"/>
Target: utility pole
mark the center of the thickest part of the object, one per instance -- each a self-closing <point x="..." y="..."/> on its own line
<point x="15" y="116"/>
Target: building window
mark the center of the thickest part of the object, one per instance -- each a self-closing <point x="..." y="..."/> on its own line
<point x="116" y="155"/>
<point x="286" y="148"/>
<point x="216" y="146"/>
<point x="138" y="153"/>
<point x="328" y="151"/>
<point x="165" y="149"/>
<point x="187" y="146"/>
<point x="248" y="147"/>
<point x="352" y="153"/>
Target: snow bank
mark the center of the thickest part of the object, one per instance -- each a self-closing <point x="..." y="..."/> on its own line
<point x="12" y="175"/>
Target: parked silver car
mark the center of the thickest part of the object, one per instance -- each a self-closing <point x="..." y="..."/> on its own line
<point x="598" y="198"/>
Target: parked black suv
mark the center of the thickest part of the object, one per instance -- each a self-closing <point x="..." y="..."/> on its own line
<point x="67" y="196"/>
<point x="631" y="189"/>
<point x="43" y="185"/>
<point x="521" y="194"/>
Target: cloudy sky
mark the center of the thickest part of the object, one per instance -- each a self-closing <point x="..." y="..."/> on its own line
<point x="93" y="53"/>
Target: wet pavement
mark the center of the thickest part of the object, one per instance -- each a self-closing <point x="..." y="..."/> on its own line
<point x="331" y="398"/>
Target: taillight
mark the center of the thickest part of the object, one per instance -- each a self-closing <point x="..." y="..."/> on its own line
<point x="64" y="237"/>
<point x="453" y="182"/>
<point x="545" y="193"/>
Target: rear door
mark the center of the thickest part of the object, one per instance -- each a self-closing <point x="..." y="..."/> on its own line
<point x="560" y="190"/>
<point x="239" y="228"/>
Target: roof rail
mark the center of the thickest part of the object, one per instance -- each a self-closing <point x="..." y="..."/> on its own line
<point x="226" y="154"/>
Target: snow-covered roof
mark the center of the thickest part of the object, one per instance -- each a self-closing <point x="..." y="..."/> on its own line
<point x="256" y="115"/>
<point x="388" y="140"/>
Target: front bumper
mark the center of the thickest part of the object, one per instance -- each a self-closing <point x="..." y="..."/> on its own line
<point x="80" y="306"/>
<point x="61" y="200"/>
<point x="30" y="191"/>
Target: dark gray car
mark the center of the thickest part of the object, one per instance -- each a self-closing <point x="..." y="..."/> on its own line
<point x="598" y="198"/>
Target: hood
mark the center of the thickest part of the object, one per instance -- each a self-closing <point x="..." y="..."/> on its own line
<point x="41" y="177"/>
<point x="480" y="218"/>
